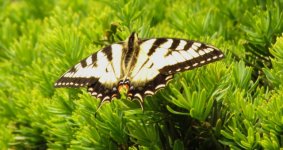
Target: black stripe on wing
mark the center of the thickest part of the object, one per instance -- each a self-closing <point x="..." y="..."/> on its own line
<point x="157" y="43"/>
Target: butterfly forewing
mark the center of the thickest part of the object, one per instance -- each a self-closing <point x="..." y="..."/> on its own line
<point x="160" y="58"/>
<point x="100" y="72"/>
<point x="186" y="55"/>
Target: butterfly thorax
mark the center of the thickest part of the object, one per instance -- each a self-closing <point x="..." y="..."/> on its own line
<point x="129" y="57"/>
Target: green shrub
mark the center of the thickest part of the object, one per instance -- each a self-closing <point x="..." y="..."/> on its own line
<point x="235" y="103"/>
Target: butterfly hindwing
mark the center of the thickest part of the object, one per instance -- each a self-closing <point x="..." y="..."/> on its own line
<point x="105" y="94"/>
<point x="150" y="88"/>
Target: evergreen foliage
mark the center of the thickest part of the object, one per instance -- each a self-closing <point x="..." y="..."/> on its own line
<point x="235" y="103"/>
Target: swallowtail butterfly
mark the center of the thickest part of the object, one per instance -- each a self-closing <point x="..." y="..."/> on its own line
<point x="137" y="67"/>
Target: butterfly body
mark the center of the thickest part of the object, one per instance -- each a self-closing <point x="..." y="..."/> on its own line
<point x="137" y="67"/>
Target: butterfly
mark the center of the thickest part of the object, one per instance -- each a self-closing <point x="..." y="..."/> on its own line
<point x="137" y="67"/>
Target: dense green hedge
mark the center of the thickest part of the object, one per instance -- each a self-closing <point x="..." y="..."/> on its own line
<point x="235" y="103"/>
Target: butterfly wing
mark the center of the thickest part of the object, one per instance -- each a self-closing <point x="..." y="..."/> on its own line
<point x="100" y="72"/>
<point x="159" y="59"/>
